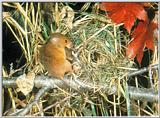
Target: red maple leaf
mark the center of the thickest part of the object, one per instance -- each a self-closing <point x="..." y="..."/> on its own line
<point x="143" y="36"/>
<point x="127" y="13"/>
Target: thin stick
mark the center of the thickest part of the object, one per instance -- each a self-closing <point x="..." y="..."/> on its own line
<point x="29" y="106"/>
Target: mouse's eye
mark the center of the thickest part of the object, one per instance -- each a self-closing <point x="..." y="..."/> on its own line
<point x="66" y="41"/>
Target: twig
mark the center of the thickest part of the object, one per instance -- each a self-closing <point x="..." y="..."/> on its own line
<point x="49" y="107"/>
<point x="29" y="106"/>
<point x="143" y="94"/>
<point x="46" y="83"/>
<point x="140" y="71"/>
<point x="43" y="81"/>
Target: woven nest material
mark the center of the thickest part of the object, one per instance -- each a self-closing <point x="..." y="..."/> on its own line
<point x="99" y="60"/>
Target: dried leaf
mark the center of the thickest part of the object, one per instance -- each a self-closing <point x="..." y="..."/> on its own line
<point x="67" y="14"/>
<point x="25" y="83"/>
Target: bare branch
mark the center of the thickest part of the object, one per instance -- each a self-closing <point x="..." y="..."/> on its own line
<point x="37" y="98"/>
<point x="143" y="94"/>
<point x="43" y="81"/>
<point x="46" y="83"/>
<point x="140" y="71"/>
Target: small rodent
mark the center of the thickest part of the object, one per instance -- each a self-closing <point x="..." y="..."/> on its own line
<point x="53" y="55"/>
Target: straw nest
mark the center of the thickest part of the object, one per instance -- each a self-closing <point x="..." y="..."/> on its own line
<point x="100" y="52"/>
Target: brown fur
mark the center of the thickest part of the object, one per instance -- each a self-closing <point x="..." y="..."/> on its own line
<point x="53" y="55"/>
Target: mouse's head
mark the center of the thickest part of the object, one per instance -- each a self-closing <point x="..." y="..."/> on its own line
<point x="60" y="40"/>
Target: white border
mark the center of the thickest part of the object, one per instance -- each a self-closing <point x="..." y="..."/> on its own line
<point x="80" y="0"/>
<point x="1" y="60"/>
<point x="159" y="57"/>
